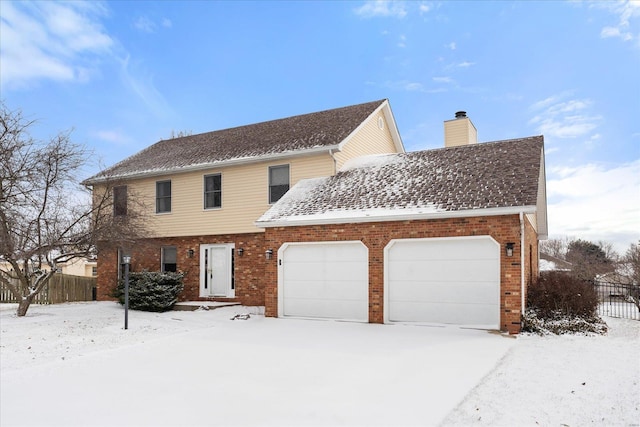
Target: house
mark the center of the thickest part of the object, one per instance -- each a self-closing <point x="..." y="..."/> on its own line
<point x="204" y="192"/>
<point x="326" y="216"/>
<point x="549" y="263"/>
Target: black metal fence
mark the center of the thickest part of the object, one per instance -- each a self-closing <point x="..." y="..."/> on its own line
<point x="618" y="300"/>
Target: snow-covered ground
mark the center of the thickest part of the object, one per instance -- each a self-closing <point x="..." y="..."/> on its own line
<point x="74" y="364"/>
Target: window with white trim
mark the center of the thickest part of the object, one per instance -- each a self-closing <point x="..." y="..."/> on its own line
<point x="163" y="196"/>
<point x="278" y="182"/>
<point x="169" y="255"/>
<point x="213" y="191"/>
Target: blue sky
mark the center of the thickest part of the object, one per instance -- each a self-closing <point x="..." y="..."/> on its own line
<point x="122" y="75"/>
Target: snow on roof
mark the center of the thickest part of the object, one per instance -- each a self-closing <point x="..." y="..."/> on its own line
<point x="503" y="174"/>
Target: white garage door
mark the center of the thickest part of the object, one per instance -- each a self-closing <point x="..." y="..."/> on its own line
<point x="448" y="280"/>
<point x="325" y="280"/>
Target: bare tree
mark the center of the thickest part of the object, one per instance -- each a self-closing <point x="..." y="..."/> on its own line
<point x="555" y="247"/>
<point x="629" y="274"/>
<point x="46" y="217"/>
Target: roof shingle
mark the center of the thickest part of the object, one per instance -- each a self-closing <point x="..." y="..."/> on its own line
<point x="489" y="175"/>
<point x="289" y="135"/>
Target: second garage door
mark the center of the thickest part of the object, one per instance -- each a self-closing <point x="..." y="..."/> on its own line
<point x="324" y="280"/>
<point x="443" y="280"/>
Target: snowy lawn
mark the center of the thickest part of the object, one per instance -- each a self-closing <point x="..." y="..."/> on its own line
<point x="74" y="364"/>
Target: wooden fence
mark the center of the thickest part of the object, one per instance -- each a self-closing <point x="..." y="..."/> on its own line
<point x="61" y="288"/>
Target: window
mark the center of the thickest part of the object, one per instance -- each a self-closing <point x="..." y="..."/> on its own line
<point x="163" y="196"/>
<point x="169" y="258"/>
<point x="278" y="182"/>
<point x="94" y="271"/>
<point x="212" y="191"/>
<point x="120" y="200"/>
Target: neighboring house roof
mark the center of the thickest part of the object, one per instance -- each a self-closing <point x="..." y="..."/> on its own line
<point x="314" y="132"/>
<point x="502" y="177"/>
<point x="552" y="263"/>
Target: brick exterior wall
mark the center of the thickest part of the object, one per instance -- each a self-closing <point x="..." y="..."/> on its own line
<point x="146" y="255"/>
<point x="378" y="234"/>
<point x="256" y="281"/>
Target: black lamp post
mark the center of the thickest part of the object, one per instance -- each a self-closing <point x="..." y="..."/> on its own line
<point x="126" y="260"/>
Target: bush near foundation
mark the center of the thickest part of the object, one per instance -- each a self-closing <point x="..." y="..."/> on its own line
<point x="558" y="303"/>
<point x="151" y="291"/>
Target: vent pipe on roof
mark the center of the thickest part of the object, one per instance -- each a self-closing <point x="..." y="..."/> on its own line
<point x="459" y="131"/>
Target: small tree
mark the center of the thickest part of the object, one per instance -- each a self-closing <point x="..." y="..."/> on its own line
<point x="46" y="217"/>
<point x="588" y="259"/>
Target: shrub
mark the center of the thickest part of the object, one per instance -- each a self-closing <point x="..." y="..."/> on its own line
<point x="559" y="303"/>
<point x="151" y="291"/>
<point x="557" y="293"/>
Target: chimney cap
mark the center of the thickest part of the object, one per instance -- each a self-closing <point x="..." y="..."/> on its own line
<point x="461" y="114"/>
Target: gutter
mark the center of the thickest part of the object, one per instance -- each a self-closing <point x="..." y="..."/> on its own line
<point x="212" y="165"/>
<point x="522" y="276"/>
<point x="361" y="217"/>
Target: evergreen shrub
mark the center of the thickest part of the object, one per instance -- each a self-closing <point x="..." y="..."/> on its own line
<point x="151" y="290"/>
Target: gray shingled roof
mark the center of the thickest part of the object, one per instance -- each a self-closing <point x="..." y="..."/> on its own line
<point x="501" y="174"/>
<point x="293" y="134"/>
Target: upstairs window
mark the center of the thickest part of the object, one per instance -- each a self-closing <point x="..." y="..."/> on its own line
<point x="169" y="258"/>
<point x="120" y="200"/>
<point x="163" y="196"/>
<point x="213" y="191"/>
<point x="278" y="182"/>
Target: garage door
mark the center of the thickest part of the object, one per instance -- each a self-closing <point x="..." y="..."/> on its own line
<point x="449" y="280"/>
<point x="324" y="280"/>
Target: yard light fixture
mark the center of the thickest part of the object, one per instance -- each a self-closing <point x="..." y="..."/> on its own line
<point x="240" y="251"/>
<point x="190" y="253"/>
<point x="509" y="248"/>
<point x="126" y="260"/>
<point x="268" y="253"/>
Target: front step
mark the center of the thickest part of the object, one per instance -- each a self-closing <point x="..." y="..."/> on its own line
<point x="207" y="305"/>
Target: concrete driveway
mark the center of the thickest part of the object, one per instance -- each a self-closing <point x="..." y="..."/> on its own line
<point x="259" y="371"/>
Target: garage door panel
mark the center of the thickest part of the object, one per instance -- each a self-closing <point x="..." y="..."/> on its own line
<point x="322" y="289"/>
<point x="339" y="270"/>
<point x="444" y="313"/>
<point x="463" y="292"/>
<point x="443" y="250"/>
<point x="326" y="309"/>
<point x="443" y="280"/>
<point x="325" y="280"/>
<point x="444" y="270"/>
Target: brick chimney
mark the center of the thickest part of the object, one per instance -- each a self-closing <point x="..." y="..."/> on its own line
<point x="459" y="131"/>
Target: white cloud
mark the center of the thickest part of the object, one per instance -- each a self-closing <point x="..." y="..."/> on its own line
<point x="595" y="202"/>
<point x="50" y="41"/>
<point x="443" y="79"/>
<point x="564" y="119"/>
<point x="452" y="45"/>
<point x="424" y="8"/>
<point x="146" y="25"/>
<point x="383" y="8"/>
<point x="627" y="12"/>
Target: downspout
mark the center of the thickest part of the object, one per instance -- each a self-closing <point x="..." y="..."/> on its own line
<point x="335" y="162"/>
<point x="522" y="247"/>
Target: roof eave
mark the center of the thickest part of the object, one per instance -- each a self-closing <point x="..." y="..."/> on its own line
<point x="214" y="165"/>
<point x="511" y="210"/>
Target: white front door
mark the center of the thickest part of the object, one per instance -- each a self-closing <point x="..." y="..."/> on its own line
<point x="216" y="271"/>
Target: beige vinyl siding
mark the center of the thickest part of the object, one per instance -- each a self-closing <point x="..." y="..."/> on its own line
<point x="244" y="197"/>
<point x="369" y="139"/>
